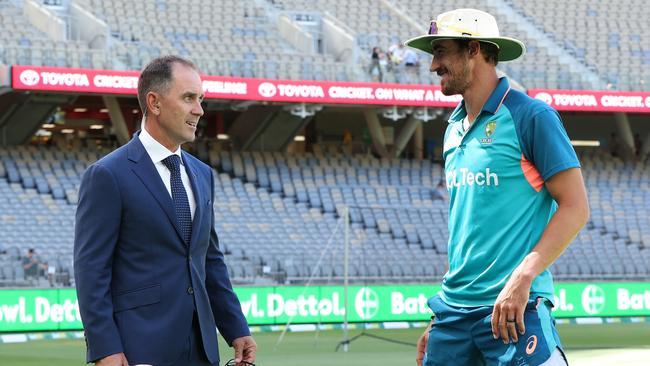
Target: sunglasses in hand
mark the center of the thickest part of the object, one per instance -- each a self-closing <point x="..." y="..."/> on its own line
<point x="232" y="362"/>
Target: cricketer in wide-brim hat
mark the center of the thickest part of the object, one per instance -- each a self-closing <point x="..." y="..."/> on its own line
<point x="469" y="24"/>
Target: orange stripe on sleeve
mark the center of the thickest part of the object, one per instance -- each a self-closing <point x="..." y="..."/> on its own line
<point x="532" y="174"/>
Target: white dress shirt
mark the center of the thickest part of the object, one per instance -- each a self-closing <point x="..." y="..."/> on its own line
<point x="157" y="152"/>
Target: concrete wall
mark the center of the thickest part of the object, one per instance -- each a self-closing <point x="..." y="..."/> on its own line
<point x="599" y="126"/>
<point x="88" y="28"/>
<point x="292" y="33"/>
<point x="332" y="122"/>
<point x="338" y="42"/>
<point x="579" y="126"/>
<point x="45" y="20"/>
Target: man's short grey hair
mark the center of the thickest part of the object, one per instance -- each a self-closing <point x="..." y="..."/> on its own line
<point x="157" y="77"/>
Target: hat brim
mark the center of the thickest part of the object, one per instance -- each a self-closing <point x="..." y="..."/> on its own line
<point x="509" y="48"/>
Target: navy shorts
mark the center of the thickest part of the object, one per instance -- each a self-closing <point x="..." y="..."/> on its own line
<point x="463" y="337"/>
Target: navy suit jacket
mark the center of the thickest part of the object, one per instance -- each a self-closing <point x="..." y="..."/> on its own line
<point x="138" y="283"/>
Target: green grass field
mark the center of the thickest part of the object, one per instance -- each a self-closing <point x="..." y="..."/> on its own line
<point x="628" y="344"/>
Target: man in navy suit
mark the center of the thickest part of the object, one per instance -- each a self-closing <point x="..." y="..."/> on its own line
<point x="151" y="281"/>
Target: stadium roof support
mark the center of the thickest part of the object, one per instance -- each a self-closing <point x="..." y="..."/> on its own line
<point x="117" y="119"/>
<point x="405" y="134"/>
<point x="412" y="129"/>
<point x="22" y="115"/>
<point x="374" y="127"/>
<point x="627" y="149"/>
<point x="250" y="124"/>
<point x="263" y="128"/>
<point x="645" y="147"/>
<point x="418" y="142"/>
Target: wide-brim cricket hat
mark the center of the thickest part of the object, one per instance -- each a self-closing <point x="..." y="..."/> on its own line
<point x="469" y="24"/>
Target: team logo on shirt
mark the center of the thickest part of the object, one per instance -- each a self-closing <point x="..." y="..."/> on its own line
<point x="489" y="131"/>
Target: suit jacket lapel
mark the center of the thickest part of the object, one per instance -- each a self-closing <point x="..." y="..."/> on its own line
<point x="198" y="197"/>
<point x="145" y="170"/>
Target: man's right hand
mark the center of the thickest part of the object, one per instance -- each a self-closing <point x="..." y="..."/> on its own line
<point x="422" y="346"/>
<point x="118" y="359"/>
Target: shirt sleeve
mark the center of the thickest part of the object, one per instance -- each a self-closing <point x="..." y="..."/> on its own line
<point x="545" y="143"/>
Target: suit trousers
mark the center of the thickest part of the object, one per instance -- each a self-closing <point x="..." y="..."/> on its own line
<point x="193" y="353"/>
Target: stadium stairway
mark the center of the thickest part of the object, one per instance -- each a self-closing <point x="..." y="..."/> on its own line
<point x="609" y="38"/>
<point x="546" y="65"/>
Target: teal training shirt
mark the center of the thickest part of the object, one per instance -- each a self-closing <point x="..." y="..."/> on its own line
<point x="498" y="203"/>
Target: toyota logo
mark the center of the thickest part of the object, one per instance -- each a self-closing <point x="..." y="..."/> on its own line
<point x="29" y="77"/>
<point x="267" y="90"/>
<point x="545" y="97"/>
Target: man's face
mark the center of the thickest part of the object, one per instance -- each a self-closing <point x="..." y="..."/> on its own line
<point x="180" y="107"/>
<point x="452" y="65"/>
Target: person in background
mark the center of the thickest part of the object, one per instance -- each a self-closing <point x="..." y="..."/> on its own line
<point x="411" y="64"/>
<point x="376" y="71"/>
<point x="32" y="265"/>
<point x="440" y="192"/>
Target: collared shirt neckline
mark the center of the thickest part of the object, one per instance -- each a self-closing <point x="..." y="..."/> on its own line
<point x="157" y="152"/>
<point x="492" y="105"/>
